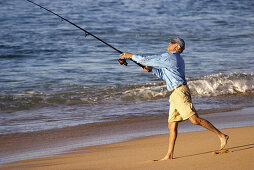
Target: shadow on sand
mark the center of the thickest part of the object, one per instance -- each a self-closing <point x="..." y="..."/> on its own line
<point x="232" y="149"/>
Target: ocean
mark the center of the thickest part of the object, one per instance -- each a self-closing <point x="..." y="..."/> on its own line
<point x="53" y="77"/>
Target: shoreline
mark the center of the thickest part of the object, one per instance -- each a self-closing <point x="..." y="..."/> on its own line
<point x="24" y="146"/>
<point x="193" y="151"/>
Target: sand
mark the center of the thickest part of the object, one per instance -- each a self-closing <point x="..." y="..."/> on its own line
<point x="194" y="150"/>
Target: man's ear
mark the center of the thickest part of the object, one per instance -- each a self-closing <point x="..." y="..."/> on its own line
<point x="177" y="48"/>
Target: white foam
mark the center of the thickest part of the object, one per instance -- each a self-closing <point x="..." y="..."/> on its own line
<point x="222" y="84"/>
<point x="144" y="92"/>
<point x="212" y="85"/>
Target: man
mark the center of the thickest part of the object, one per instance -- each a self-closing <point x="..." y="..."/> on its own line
<point x="171" y="68"/>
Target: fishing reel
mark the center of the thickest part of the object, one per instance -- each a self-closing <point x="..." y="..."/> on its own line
<point x="122" y="61"/>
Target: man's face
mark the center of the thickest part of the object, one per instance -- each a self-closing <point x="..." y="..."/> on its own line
<point x="173" y="46"/>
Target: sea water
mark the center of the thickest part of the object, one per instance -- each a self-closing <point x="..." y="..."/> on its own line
<point x="52" y="76"/>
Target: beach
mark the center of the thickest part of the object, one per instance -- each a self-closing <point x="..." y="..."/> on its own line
<point x="193" y="151"/>
<point x="65" y="101"/>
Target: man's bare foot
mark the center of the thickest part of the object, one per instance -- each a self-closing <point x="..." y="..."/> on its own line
<point x="223" y="141"/>
<point x="167" y="157"/>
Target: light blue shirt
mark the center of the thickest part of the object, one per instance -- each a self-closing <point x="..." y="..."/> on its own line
<point x="167" y="66"/>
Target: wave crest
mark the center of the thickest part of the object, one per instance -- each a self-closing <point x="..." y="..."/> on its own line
<point x="211" y="85"/>
<point x="222" y="84"/>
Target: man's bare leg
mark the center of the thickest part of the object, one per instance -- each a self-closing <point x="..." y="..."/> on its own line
<point x="172" y="127"/>
<point x="196" y="120"/>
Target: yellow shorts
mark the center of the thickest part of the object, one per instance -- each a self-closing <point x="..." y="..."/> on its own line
<point x="181" y="107"/>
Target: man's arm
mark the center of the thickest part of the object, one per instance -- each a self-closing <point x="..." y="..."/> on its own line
<point x="129" y="56"/>
<point x="157" y="61"/>
<point x="157" y="72"/>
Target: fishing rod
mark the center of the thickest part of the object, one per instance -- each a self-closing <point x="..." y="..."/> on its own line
<point x="121" y="61"/>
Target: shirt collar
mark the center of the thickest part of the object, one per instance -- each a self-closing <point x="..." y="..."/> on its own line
<point x="174" y="52"/>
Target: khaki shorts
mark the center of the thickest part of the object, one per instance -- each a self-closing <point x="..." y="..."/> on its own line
<point x="181" y="107"/>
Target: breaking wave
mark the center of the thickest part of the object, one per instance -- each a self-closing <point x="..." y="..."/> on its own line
<point x="222" y="84"/>
<point x="211" y="85"/>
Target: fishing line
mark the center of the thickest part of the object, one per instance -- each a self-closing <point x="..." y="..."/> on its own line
<point x="121" y="61"/>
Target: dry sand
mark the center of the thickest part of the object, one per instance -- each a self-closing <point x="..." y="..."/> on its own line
<point x="193" y="151"/>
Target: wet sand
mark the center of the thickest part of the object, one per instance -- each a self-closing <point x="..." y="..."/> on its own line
<point x="193" y="151"/>
<point x="23" y="146"/>
<point x="30" y="146"/>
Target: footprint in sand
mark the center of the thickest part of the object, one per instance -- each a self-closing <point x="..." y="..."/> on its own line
<point x="221" y="152"/>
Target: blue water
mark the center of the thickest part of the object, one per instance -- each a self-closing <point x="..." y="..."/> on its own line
<point x="51" y="76"/>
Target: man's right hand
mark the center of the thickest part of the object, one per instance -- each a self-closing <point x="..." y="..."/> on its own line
<point x="147" y="68"/>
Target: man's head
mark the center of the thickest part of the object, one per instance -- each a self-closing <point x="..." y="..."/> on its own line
<point x="176" y="44"/>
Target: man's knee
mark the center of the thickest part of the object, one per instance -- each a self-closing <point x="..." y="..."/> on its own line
<point x="172" y="126"/>
<point x="195" y="120"/>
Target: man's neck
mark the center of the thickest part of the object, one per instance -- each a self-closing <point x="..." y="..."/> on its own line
<point x="173" y="51"/>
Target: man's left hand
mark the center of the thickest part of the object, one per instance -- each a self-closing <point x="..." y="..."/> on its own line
<point x="127" y="55"/>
